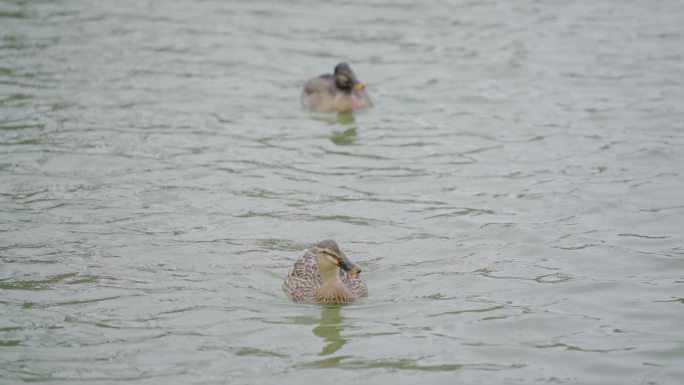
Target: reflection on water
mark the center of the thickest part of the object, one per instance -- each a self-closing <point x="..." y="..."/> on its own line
<point x="344" y="138"/>
<point x="329" y="329"/>
<point x="346" y="118"/>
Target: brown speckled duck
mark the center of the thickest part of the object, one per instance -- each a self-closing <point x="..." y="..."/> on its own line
<point x="338" y="92"/>
<point x="324" y="275"/>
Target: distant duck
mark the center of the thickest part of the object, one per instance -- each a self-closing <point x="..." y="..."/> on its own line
<point x="338" y="92"/>
<point x="324" y="275"/>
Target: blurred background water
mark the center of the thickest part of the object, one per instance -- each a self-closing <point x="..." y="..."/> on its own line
<point x="514" y="198"/>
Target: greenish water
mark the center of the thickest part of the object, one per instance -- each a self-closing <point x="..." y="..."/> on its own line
<point x="514" y="198"/>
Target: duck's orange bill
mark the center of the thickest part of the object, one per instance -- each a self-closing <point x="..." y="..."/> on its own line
<point x="359" y="86"/>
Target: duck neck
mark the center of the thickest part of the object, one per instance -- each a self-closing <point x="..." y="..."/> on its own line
<point x="332" y="289"/>
<point x="330" y="274"/>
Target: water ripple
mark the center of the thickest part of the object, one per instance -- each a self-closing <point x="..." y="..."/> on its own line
<point x="514" y="196"/>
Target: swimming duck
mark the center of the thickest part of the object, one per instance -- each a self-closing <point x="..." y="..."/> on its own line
<point x="324" y="275"/>
<point x="338" y="92"/>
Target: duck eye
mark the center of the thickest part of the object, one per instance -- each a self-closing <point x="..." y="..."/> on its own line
<point x="331" y="257"/>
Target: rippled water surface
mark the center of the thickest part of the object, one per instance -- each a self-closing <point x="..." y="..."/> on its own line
<point x="515" y="197"/>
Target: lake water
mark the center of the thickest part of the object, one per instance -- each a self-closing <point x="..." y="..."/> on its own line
<point x="515" y="198"/>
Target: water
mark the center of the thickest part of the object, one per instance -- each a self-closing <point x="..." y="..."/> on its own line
<point x="514" y="198"/>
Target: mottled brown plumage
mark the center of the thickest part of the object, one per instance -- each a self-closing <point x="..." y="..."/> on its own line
<point x="337" y="281"/>
<point x="337" y="92"/>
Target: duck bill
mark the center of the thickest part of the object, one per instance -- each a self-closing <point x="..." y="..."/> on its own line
<point x="350" y="267"/>
<point x="360" y="86"/>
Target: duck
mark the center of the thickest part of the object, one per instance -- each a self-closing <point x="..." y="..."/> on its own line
<point x="324" y="275"/>
<point x="339" y="92"/>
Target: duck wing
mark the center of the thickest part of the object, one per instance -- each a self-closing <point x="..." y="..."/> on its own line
<point x="303" y="278"/>
<point x="320" y="84"/>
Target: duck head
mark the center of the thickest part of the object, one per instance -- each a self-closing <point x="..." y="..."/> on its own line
<point x="346" y="80"/>
<point x="329" y="258"/>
